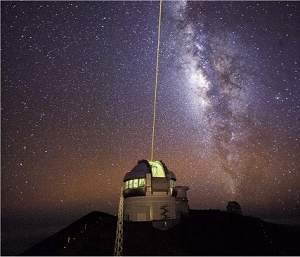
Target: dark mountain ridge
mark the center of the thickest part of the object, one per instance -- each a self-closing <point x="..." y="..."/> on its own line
<point x="202" y="232"/>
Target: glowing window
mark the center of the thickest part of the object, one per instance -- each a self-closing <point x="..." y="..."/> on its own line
<point x="135" y="183"/>
<point x="141" y="182"/>
<point x="157" y="169"/>
<point x="130" y="184"/>
<point x="126" y="184"/>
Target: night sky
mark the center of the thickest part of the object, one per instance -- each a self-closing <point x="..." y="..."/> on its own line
<point x="77" y="91"/>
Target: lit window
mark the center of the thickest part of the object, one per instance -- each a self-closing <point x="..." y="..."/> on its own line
<point x="141" y="182"/>
<point x="126" y="184"/>
<point x="135" y="183"/>
<point x="130" y="184"/>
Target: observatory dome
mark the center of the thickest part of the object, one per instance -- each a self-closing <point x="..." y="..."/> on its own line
<point x="156" y="168"/>
<point x="135" y="181"/>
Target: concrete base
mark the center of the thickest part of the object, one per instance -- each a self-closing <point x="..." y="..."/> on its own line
<point x="164" y="224"/>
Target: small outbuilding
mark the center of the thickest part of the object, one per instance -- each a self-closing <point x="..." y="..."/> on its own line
<point x="234" y="207"/>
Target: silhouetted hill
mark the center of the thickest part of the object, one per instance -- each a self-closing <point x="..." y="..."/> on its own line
<point x="203" y="232"/>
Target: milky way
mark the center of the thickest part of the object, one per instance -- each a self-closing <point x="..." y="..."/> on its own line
<point x="223" y="75"/>
<point x="77" y="91"/>
<point x="218" y="75"/>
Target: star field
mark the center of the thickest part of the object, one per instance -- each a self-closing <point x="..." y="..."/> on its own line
<point x="77" y="92"/>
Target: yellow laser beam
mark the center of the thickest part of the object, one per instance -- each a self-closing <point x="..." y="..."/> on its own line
<point x="156" y="81"/>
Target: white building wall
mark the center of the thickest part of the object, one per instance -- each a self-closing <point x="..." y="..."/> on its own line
<point x="149" y="208"/>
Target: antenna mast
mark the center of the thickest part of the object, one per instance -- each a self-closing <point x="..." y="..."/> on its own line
<point x="119" y="233"/>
